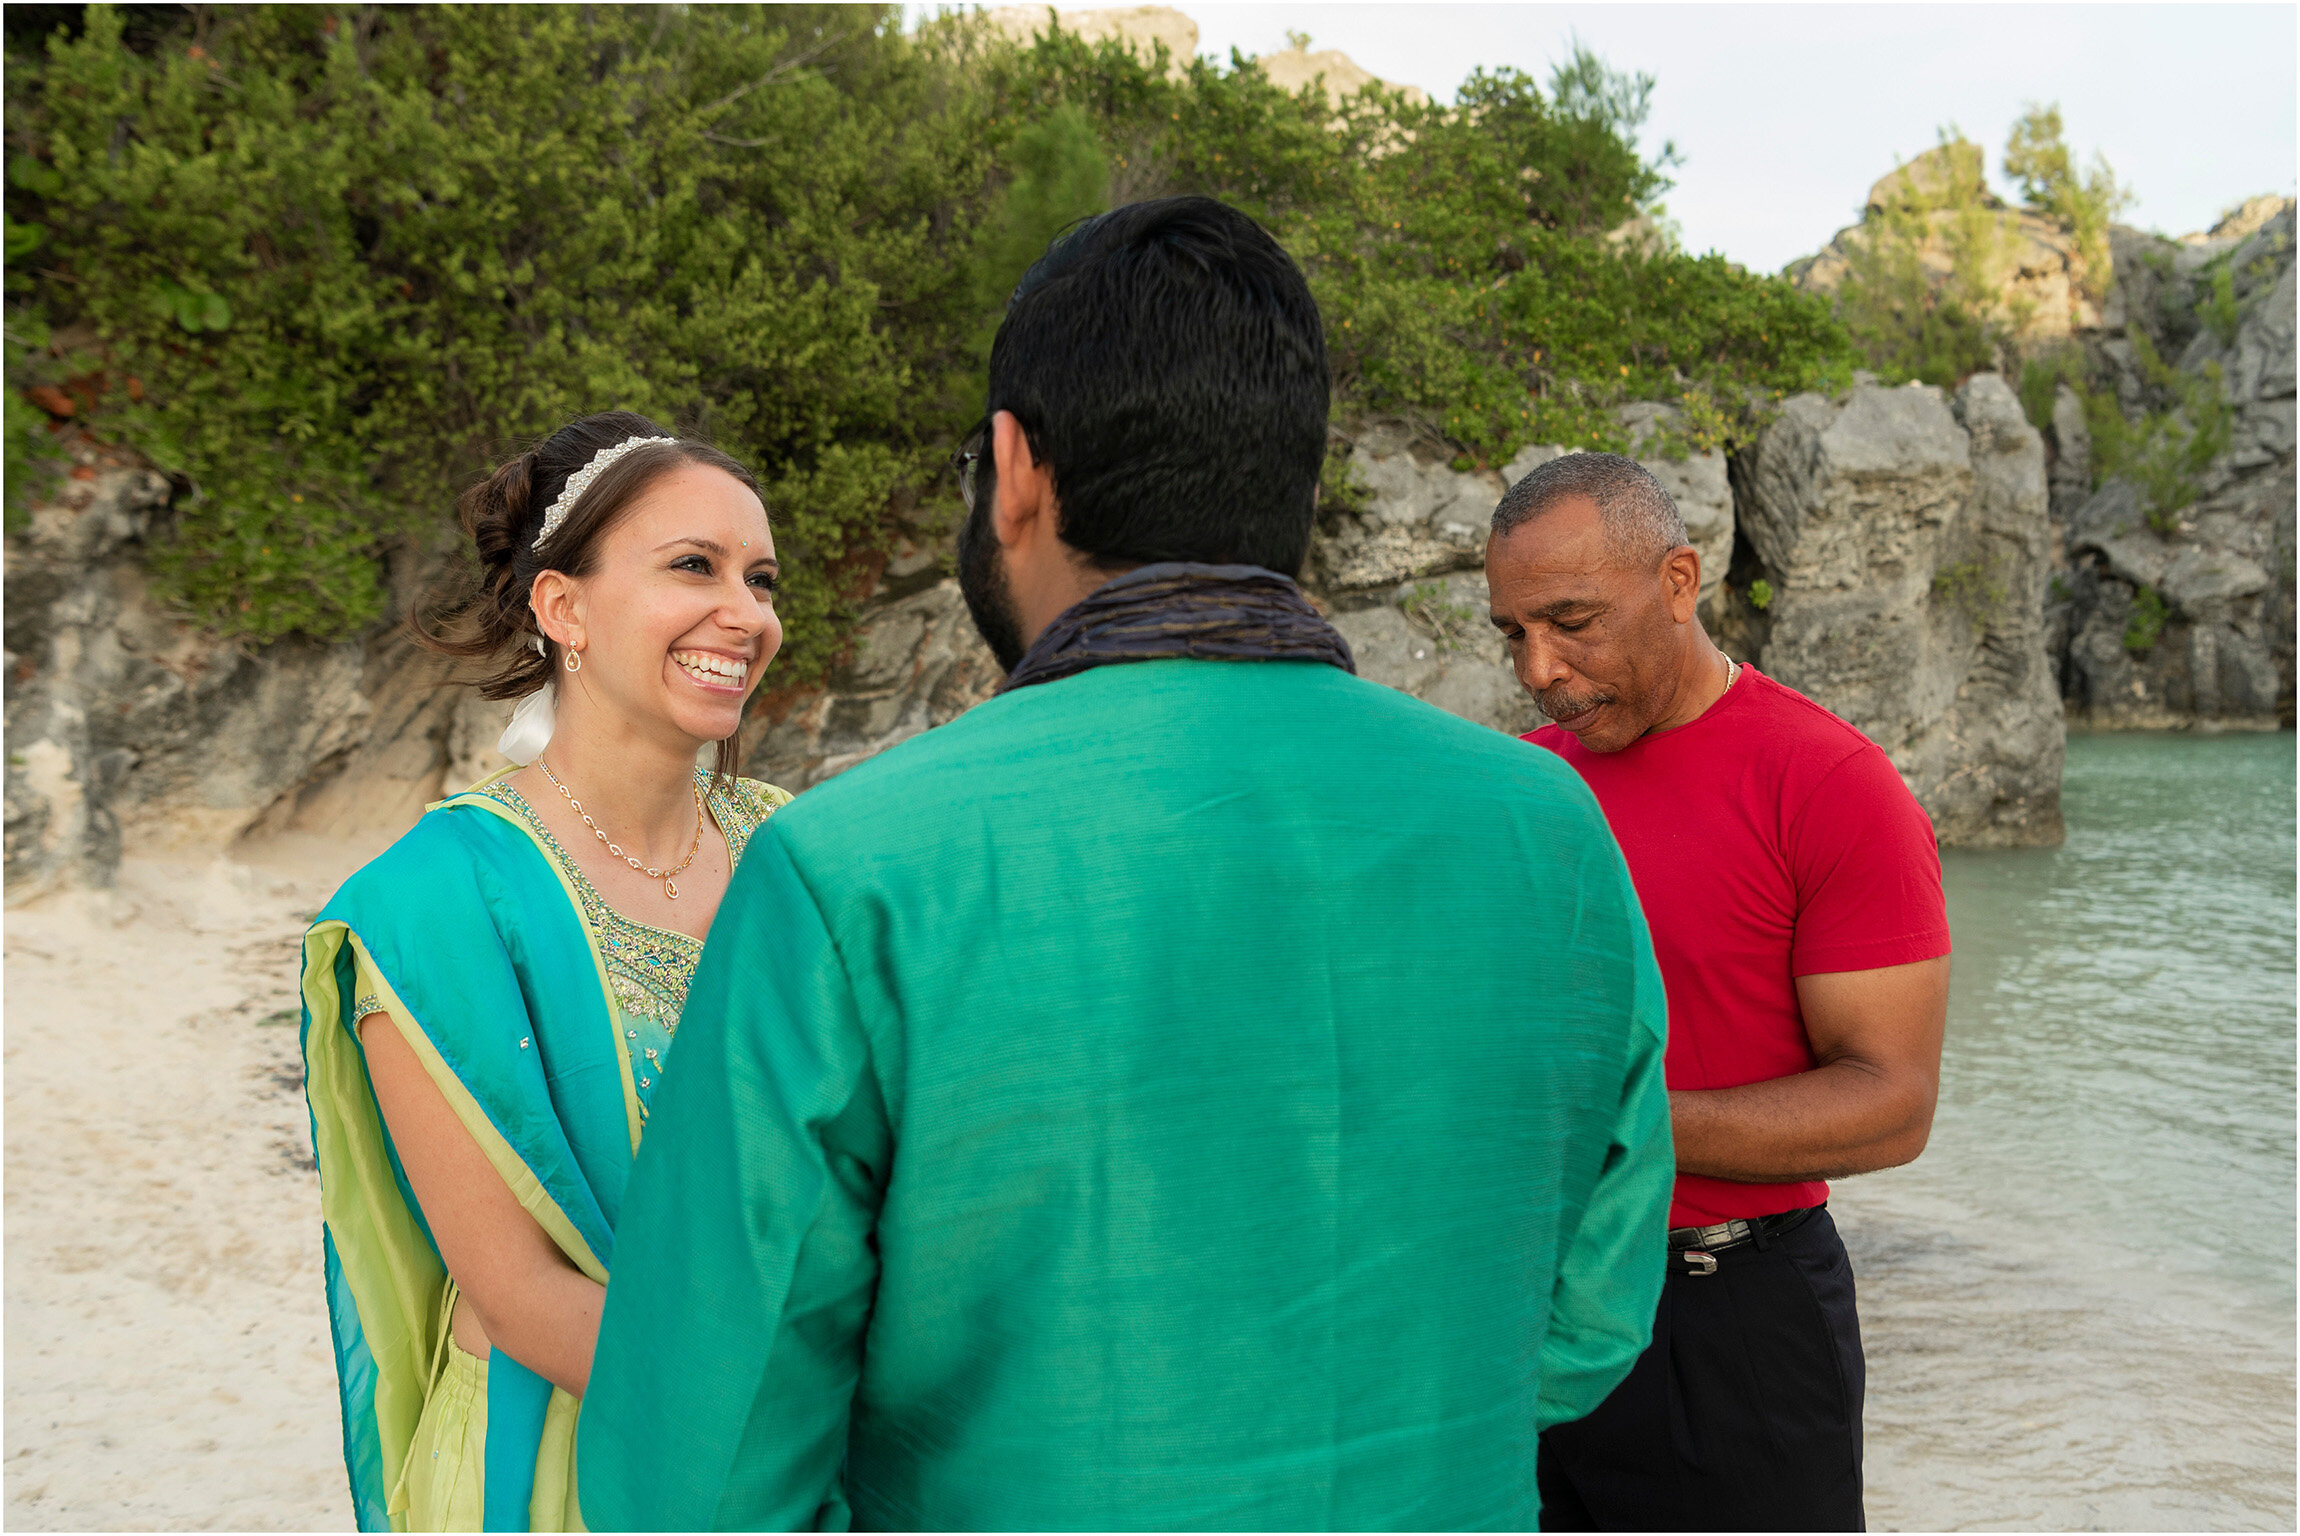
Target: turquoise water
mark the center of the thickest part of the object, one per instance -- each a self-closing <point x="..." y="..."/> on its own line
<point x="2079" y="1302"/>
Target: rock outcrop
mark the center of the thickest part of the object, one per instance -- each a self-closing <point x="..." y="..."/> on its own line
<point x="1142" y="28"/>
<point x="917" y="663"/>
<point x="1403" y="568"/>
<point x="2038" y="274"/>
<point x="1904" y="547"/>
<point x="2183" y="614"/>
<point x="1294" y="69"/>
<point x="1902" y="541"/>
<point x="123" y="719"/>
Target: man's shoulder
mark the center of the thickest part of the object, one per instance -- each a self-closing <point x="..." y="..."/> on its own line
<point x="1804" y="741"/>
<point x="1059" y="731"/>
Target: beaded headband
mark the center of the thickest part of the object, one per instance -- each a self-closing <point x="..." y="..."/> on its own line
<point x="580" y="481"/>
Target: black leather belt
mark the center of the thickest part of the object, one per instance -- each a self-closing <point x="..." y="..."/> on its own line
<point x="1694" y="1250"/>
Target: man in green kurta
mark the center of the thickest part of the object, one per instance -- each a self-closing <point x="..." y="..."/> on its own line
<point x="1196" y="1088"/>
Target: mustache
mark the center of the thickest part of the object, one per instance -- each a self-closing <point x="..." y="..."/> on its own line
<point x="1559" y="704"/>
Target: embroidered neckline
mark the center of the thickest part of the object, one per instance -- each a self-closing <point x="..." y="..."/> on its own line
<point x="648" y="968"/>
<point x="734" y="822"/>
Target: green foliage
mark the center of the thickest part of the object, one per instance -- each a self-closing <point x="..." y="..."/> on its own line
<point x="1449" y="625"/>
<point x="357" y="255"/>
<point x="1915" y="322"/>
<point x="1760" y="594"/>
<point x="2146" y="626"/>
<point x="2219" y="311"/>
<point x="2041" y="376"/>
<point x="1585" y="86"/>
<point x="2166" y="451"/>
<point x="1973" y="587"/>
<point x="1060" y="175"/>
<point x="2037" y="158"/>
<point x="1458" y="253"/>
<point x="1910" y="323"/>
<point x="349" y="258"/>
<point x="1340" y="488"/>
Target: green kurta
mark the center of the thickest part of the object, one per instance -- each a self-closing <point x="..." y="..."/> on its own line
<point x="1189" y="1094"/>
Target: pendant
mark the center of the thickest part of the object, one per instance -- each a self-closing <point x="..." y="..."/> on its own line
<point x="671" y="889"/>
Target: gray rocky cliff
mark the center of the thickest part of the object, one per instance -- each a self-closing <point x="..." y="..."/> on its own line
<point x="2186" y="618"/>
<point x="1403" y="573"/>
<point x="1904" y="544"/>
<point x="123" y="721"/>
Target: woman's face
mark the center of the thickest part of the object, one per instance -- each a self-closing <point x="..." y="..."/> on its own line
<point x="676" y="621"/>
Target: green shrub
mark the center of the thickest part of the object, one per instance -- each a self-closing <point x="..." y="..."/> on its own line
<point x="2146" y="626"/>
<point x="2219" y="312"/>
<point x="2037" y="157"/>
<point x="2041" y="376"/>
<point x="1449" y="625"/>
<point x="1974" y="588"/>
<point x="1910" y="324"/>
<point x="2166" y="451"/>
<point x="355" y="256"/>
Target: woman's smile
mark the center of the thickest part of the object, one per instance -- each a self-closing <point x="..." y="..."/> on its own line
<point x="715" y="670"/>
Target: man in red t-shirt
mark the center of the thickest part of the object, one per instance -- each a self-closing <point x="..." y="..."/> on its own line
<point x="1793" y="888"/>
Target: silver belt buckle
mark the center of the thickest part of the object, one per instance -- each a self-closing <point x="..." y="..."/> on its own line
<point x="1703" y="1263"/>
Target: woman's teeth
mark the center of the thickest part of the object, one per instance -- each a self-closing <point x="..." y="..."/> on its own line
<point x="721" y="670"/>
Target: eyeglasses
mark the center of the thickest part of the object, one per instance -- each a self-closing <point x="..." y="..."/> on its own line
<point x="968" y="459"/>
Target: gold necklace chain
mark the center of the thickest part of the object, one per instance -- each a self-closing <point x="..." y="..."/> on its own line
<point x="670" y="886"/>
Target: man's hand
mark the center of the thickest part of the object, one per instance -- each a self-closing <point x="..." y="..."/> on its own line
<point x="1867" y="1105"/>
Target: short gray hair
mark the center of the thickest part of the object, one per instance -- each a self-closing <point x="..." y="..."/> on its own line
<point x="1641" y="522"/>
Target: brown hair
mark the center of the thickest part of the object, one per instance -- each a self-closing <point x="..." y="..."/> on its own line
<point x="484" y="616"/>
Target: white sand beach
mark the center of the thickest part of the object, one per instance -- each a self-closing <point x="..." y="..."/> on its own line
<point x="168" y="1364"/>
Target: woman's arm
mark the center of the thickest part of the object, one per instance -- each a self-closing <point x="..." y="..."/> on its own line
<point x="530" y="1300"/>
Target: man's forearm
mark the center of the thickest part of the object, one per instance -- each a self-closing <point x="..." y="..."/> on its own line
<point x="1837" y="1120"/>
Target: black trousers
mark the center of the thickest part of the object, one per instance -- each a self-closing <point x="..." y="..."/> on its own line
<point x="1743" y="1415"/>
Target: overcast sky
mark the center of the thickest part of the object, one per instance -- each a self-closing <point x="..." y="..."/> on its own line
<point x="1786" y="113"/>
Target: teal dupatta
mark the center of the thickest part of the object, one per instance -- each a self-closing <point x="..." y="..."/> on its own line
<point x="469" y="936"/>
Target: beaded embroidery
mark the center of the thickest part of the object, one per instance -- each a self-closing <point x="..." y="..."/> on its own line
<point x="649" y="968"/>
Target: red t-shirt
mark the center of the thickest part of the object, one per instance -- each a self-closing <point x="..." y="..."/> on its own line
<point x="1768" y="840"/>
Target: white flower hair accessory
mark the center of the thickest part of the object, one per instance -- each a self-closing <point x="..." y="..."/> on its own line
<point x="534" y="719"/>
<point x="580" y="481"/>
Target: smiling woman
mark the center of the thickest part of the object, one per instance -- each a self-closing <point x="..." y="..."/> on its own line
<point x="489" y="1006"/>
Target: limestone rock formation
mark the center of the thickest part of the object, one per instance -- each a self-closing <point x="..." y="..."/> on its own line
<point x="1433" y="639"/>
<point x="2042" y="279"/>
<point x="1402" y="567"/>
<point x="1906" y="547"/>
<point x="2186" y="617"/>
<point x="1141" y="28"/>
<point x="121" y="714"/>
<point x="1293" y="69"/>
<point x="1697" y="481"/>
<point x="1417" y="517"/>
<point x="917" y="662"/>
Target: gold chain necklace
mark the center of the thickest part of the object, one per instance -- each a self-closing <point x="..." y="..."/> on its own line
<point x="670" y="886"/>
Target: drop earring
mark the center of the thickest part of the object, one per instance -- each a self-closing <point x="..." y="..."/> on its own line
<point x="574" y="661"/>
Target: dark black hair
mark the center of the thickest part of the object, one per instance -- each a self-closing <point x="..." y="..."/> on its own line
<point x="1167" y="362"/>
